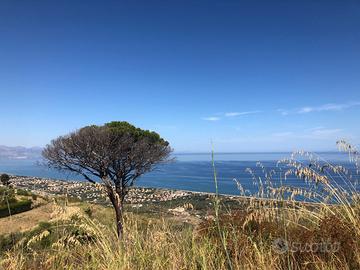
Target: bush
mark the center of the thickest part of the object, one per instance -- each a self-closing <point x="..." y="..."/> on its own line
<point x="8" y="241"/>
<point x="89" y="211"/>
<point x="5" y="179"/>
<point x="15" y="208"/>
<point x="23" y="192"/>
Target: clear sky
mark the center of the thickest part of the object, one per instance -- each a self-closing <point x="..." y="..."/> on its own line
<point x="247" y="75"/>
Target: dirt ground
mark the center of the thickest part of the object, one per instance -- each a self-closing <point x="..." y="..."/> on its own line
<point x="25" y="220"/>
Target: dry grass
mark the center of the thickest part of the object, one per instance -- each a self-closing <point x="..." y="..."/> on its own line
<point x="25" y="221"/>
<point x="278" y="233"/>
<point x="78" y="242"/>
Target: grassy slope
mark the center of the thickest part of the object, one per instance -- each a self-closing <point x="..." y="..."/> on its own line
<point x="26" y="220"/>
<point x="157" y="239"/>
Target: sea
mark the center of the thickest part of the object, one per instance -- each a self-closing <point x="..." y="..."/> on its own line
<point x="194" y="171"/>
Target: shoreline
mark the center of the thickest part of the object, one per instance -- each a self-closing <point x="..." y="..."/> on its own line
<point x="93" y="193"/>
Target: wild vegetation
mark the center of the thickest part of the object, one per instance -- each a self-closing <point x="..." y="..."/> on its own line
<point x="280" y="227"/>
<point x="5" y="179"/>
<point x="14" y="201"/>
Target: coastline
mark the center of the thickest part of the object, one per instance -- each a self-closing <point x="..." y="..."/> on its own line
<point x="94" y="193"/>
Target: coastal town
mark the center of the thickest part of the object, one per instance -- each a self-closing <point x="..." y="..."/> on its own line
<point x="93" y="193"/>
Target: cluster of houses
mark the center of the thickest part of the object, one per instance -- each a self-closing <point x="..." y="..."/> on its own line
<point x="92" y="192"/>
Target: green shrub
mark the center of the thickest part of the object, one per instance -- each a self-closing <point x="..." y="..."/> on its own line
<point x="44" y="225"/>
<point x="23" y="192"/>
<point x="89" y="211"/>
<point x="5" y="179"/>
<point x="15" y="208"/>
<point x="9" y="240"/>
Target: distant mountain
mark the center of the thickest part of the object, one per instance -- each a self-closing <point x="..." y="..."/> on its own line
<point x="19" y="152"/>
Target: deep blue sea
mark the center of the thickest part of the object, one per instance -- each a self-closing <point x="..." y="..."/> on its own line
<point x="194" y="172"/>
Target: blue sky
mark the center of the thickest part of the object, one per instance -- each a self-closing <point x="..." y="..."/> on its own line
<point x="247" y="75"/>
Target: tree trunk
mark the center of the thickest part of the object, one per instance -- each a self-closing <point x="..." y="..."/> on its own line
<point x="118" y="207"/>
<point x="119" y="216"/>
